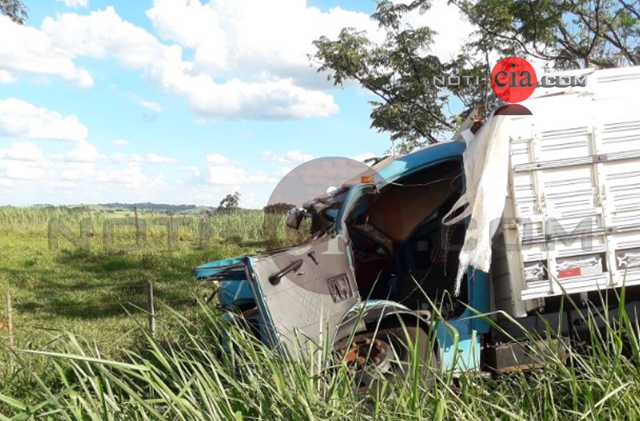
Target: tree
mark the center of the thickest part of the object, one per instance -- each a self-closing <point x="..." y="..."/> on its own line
<point x="396" y="71"/>
<point x="562" y="33"/>
<point x="15" y="9"/>
<point x="230" y="203"/>
<point x="278" y="208"/>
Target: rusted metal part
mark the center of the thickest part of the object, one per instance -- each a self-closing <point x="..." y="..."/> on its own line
<point x="478" y="120"/>
<point x="512" y="357"/>
<point x="363" y="350"/>
<point x="250" y="312"/>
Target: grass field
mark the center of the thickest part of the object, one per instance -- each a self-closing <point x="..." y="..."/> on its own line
<point x="92" y="292"/>
<point x="85" y="353"/>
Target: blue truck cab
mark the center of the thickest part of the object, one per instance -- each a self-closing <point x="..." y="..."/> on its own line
<point x="380" y="269"/>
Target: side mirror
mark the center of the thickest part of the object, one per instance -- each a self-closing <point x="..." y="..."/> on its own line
<point x="294" y="219"/>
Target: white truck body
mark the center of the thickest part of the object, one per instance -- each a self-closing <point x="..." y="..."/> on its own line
<point x="572" y="215"/>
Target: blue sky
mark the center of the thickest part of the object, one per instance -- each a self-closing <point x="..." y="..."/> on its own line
<point x="177" y="101"/>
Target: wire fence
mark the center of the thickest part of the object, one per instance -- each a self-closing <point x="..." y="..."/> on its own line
<point x="21" y="315"/>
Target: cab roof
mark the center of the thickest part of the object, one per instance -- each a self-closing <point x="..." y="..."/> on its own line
<point x="405" y="165"/>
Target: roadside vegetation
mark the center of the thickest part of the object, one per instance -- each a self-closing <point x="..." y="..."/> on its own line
<point x="193" y="375"/>
<point x="100" y="293"/>
<point x="80" y="356"/>
<point x="96" y="292"/>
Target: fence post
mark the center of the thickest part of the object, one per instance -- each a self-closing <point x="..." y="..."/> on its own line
<point x="10" y="329"/>
<point x="135" y="210"/>
<point x="150" y="309"/>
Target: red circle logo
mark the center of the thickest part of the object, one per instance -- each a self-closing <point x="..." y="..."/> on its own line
<point x="513" y="79"/>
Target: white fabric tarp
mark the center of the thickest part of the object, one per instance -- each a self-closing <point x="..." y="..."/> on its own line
<point x="486" y="168"/>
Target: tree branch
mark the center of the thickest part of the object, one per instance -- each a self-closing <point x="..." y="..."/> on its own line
<point x="513" y="38"/>
<point x="416" y="73"/>
<point x="630" y="9"/>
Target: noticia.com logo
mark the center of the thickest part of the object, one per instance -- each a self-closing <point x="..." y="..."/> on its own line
<point x="513" y="79"/>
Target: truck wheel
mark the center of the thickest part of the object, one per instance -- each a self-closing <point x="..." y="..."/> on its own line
<point x="372" y="359"/>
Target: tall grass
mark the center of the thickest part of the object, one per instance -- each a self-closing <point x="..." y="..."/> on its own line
<point x="199" y="376"/>
<point x="242" y="224"/>
<point x="189" y="372"/>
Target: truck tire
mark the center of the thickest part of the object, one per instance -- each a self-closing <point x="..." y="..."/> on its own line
<point x="373" y="359"/>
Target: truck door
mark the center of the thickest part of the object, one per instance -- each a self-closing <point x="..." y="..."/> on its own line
<point x="304" y="291"/>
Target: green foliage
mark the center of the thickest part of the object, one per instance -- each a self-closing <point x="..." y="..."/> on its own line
<point x="278" y="208"/>
<point x="396" y="71"/>
<point x="195" y="375"/>
<point x="15" y="9"/>
<point x="110" y="369"/>
<point x="230" y="203"/>
<point x="97" y="293"/>
<point x="563" y="33"/>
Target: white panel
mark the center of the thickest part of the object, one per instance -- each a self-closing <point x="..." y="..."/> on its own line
<point x="622" y="185"/>
<point x="581" y="165"/>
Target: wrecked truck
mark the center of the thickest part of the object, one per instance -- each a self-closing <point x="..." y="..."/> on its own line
<point x="538" y="203"/>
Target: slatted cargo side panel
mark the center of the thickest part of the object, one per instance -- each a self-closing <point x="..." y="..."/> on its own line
<point x="575" y="188"/>
<point x="621" y="137"/>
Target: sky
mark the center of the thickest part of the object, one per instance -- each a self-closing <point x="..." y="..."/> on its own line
<point x="180" y="101"/>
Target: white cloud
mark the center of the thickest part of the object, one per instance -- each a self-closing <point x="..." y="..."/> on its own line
<point x="150" y="158"/>
<point x="104" y="34"/>
<point x="81" y="175"/>
<point x="222" y="171"/>
<point x="217" y="158"/>
<point x="130" y="176"/>
<point x="156" y="159"/>
<point x="33" y="51"/>
<point x="284" y="171"/>
<point x="41" y="81"/>
<point x="22" y="151"/>
<point x="452" y="29"/>
<point x="247" y="64"/>
<point x="363" y="156"/>
<point x="120" y="158"/>
<point x="121" y="142"/>
<point x="22" y="170"/>
<point x="83" y="152"/>
<point x="26" y="161"/>
<point x="75" y="3"/>
<point x="6" y="77"/>
<point x="249" y="43"/>
<point x="152" y="106"/>
<point x="23" y="161"/>
<point x="280" y="89"/>
<point x="78" y="171"/>
<point x="253" y="38"/>
<point x="238" y="99"/>
<point x="78" y="175"/>
<point x="297" y="156"/>
<point x="193" y="170"/>
<point x="291" y="156"/>
<point x="21" y="119"/>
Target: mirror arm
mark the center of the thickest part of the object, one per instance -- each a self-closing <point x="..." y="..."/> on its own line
<point x="275" y="279"/>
